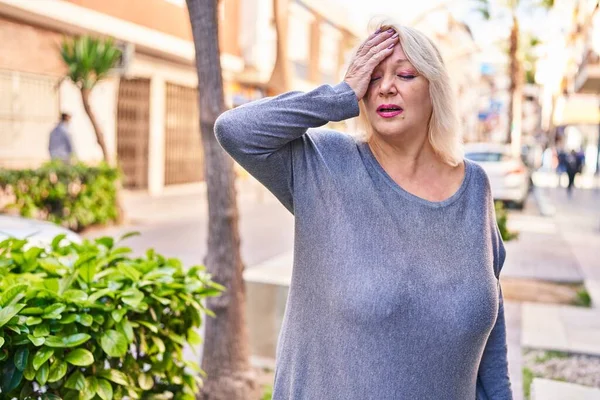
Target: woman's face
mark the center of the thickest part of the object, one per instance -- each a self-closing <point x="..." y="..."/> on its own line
<point x="397" y="100"/>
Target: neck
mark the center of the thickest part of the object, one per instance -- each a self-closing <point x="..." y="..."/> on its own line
<point x="405" y="155"/>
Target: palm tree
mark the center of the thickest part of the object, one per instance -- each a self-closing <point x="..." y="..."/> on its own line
<point x="516" y="73"/>
<point x="226" y="352"/>
<point x="279" y="81"/>
<point x="89" y="60"/>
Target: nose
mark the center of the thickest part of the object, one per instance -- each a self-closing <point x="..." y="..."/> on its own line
<point x="387" y="86"/>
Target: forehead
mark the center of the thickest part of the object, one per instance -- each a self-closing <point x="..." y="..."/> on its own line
<point x="396" y="59"/>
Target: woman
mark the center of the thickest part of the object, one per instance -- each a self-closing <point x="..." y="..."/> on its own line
<point x="394" y="291"/>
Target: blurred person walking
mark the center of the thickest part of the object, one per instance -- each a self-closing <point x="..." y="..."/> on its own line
<point x="60" y="145"/>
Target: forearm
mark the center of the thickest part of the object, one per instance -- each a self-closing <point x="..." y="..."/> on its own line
<point x="493" y="376"/>
<point x="262" y="127"/>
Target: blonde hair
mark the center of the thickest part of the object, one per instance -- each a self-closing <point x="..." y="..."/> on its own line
<point x="444" y="135"/>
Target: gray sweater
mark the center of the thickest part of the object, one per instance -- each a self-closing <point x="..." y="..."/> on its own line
<point x="392" y="296"/>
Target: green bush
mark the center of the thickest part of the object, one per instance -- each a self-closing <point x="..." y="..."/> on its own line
<point x="75" y="196"/>
<point x="88" y="321"/>
<point x="502" y="219"/>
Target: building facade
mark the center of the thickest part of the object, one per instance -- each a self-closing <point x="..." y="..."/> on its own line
<point x="148" y="110"/>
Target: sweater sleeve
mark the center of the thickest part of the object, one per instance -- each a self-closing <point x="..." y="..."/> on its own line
<point x="493" y="381"/>
<point x="263" y="136"/>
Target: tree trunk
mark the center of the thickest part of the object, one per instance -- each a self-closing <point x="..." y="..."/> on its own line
<point x="85" y="97"/>
<point x="515" y="91"/>
<point x="226" y="352"/>
<point x="280" y="76"/>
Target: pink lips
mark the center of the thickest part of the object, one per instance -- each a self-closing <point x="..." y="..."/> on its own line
<point x="389" y="110"/>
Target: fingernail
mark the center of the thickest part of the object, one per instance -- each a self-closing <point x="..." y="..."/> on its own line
<point x="391" y="45"/>
<point x="395" y="36"/>
<point x="378" y="31"/>
<point x="390" y="30"/>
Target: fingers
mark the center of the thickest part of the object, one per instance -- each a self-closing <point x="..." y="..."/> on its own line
<point x="375" y="40"/>
<point x="383" y="49"/>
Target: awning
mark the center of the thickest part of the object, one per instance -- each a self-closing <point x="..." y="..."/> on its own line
<point x="577" y="110"/>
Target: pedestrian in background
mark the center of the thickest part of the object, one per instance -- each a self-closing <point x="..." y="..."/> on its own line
<point x="395" y="288"/>
<point x="60" y="145"/>
<point x="574" y="165"/>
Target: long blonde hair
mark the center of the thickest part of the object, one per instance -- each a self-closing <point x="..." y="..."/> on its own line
<point x="444" y="135"/>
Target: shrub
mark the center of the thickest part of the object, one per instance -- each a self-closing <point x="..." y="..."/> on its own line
<point x="75" y="196"/>
<point x="84" y="321"/>
<point x="502" y="219"/>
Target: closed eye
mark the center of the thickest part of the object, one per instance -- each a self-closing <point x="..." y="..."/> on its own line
<point x="407" y="77"/>
<point x="374" y="79"/>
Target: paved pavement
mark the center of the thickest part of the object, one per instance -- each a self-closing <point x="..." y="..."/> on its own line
<point x="545" y="389"/>
<point x="176" y="224"/>
<point x="541" y="251"/>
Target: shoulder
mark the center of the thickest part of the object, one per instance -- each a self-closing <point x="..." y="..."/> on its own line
<point x="479" y="177"/>
<point x="327" y="143"/>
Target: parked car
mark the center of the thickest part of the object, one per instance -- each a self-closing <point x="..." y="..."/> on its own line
<point x="509" y="176"/>
<point x="39" y="233"/>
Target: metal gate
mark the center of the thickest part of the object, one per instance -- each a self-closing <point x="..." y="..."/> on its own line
<point x="184" y="158"/>
<point x="133" y="124"/>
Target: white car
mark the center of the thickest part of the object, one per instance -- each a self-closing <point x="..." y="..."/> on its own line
<point x="38" y="233"/>
<point x="508" y="175"/>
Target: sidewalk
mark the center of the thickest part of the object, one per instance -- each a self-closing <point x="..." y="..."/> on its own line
<point x="573" y="229"/>
<point x="176" y="223"/>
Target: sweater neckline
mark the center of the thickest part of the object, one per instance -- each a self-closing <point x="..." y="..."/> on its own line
<point x="366" y="150"/>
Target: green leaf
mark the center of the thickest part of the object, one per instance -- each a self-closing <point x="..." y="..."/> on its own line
<point x="42" y="374"/>
<point x="1" y="342"/>
<point x="56" y="241"/>
<point x="68" y="319"/>
<point x="57" y="371"/>
<point x="115" y="376"/>
<point x="132" y="297"/>
<point x="117" y="315"/>
<point x="100" y="293"/>
<point x="129" y="272"/>
<point x="21" y="357"/>
<point x="158" y="342"/>
<point x="7" y="313"/>
<point x="67" y="341"/>
<point x="33" y="321"/>
<point x="126" y="329"/>
<point x="75" y="296"/>
<point x="32" y="311"/>
<point x="41" y="330"/>
<point x="91" y="386"/>
<point x="193" y="337"/>
<point x="54" y="311"/>
<point x="80" y="357"/>
<point x="104" y="390"/>
<point x="50" y="396"/>
<point x="106" y="241"/>
<point x="41" y="357"/>
<point x="13" y="294"/>
<point x="76" y="381"/>
<point x="29" y="372"/>
<point x="128" y="235"/>
<point x="153" y="328"/>
<point x="37" y="341"/>
<point x="145" y="381"/>
<point x="86" y="319"/>
<point x="11" y="377"/>
<point x="114" y="343"/>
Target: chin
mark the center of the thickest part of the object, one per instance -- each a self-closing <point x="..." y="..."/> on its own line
<point x="389" y="129"/>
